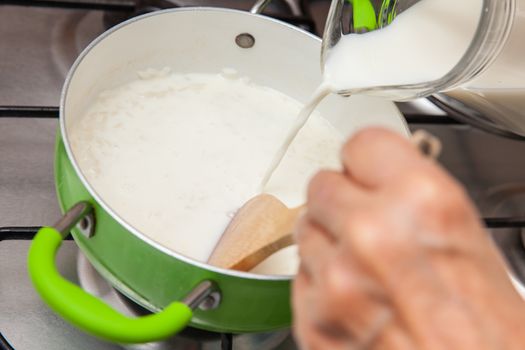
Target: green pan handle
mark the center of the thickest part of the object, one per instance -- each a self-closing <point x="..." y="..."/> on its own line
<point x="364" y="15"/>
<point x="86" y="311"/>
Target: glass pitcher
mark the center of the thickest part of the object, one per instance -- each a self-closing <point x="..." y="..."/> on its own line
<point x="487" y="80"/>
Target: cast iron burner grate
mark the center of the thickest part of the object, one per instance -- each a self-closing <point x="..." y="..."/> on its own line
<point x="120" y="10"/>
<point x="226" y="342"/>
<point x="28" y="232"/>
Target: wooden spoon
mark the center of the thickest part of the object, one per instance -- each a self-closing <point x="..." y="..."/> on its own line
<point x="261" y="227"/>
<point x="264" y="224"/>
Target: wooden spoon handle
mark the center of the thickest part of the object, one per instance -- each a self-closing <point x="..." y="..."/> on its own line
<point x="286" y="239"/>
<point x="274" y="227"/>
<point x="256" y="257"/>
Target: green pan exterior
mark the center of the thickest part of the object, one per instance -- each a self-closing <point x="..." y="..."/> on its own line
<point x="154" y="279"/>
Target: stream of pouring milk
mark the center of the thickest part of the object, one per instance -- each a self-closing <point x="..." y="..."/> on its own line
<point x="321" y="92"/>
<point x="422" y="44"/>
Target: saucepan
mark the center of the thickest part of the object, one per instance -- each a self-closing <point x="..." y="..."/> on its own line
<point x="178" y="290"/>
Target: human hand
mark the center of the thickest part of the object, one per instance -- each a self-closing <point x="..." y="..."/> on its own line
<point x="393" y="256"/>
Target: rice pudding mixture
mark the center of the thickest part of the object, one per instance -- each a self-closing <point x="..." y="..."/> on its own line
<point x="175" y="155"/>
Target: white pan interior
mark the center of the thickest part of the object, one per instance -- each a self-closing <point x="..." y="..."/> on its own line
<point x="202" y="40"/>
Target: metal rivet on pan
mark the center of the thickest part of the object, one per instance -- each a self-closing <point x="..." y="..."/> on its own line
<point x="427" y="143"/>
<point x="211" y="302"/>
<point x="86" y="226"/>
<point x="245" y="40"/>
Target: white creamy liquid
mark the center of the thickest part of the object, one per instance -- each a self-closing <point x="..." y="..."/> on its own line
<point x="176" y="155"/>
<point x="422" y="44"/>
<point x="300" y="121"/>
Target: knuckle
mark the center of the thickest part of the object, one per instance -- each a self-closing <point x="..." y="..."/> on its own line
<point x="422" y="188"/>
<point x="364" y="231"/>
<point x="453" y="200"/>
<point x="455" y="209"/>
<point x="301" y="230"/>
<point x="356" y="142"/>
<point x="338" y="284"/>
<point x="322" y="187"/>
<point x="435" y="200"/>
<point x="303" y="252"/>
<point x="376" y="238"/>
<point x="432" y="191"/>
<point x="312" y="246"/>
<point x="370" y="136"/>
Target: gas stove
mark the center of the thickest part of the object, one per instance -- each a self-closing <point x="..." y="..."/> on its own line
<point x="39" y="41"/>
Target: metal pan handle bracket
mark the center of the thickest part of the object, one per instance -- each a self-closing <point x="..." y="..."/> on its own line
<point x="259" y="6"/>
<point x="91" y="314"/>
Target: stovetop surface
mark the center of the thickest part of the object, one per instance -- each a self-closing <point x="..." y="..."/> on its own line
<point x="37" y="46"/>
